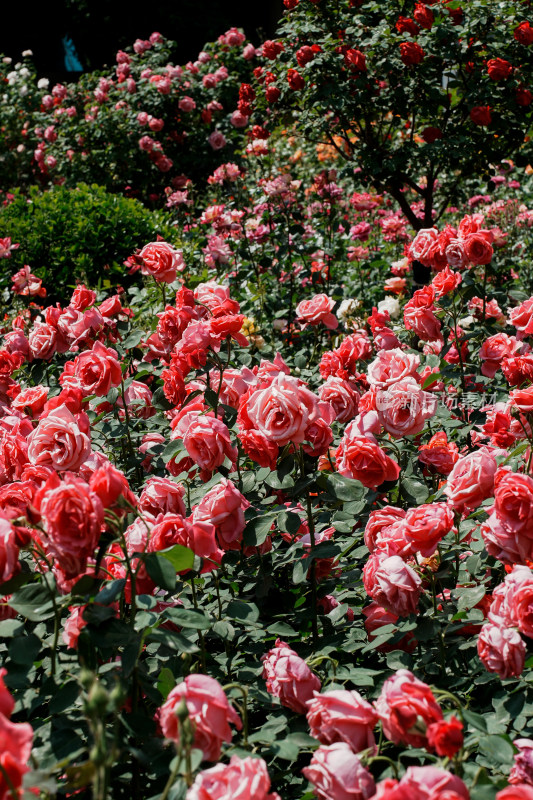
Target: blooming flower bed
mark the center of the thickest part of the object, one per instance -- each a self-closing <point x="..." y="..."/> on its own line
<point x="266" y="522"/>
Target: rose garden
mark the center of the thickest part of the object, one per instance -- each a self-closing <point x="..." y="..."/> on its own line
<point x="266" y="414"/>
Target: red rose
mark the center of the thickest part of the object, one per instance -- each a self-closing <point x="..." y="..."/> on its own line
<point x="304" y="55"/>
<point x="480" y="115"/>
<point x="499" y="69"/>
<point x="411" y="53"/>
<point x="272" y="94"/>
<point x="355" y="59"/>
<point x="445" y="737"/>
<point x="271" y="50"/>
<point x="424" y="16"/>
<point x="431" y="134"/>
<point x="524" y="33"/>
<point x="407" y="25"/>
<point x="296" y="82"/>
<point x="523" y="96"/>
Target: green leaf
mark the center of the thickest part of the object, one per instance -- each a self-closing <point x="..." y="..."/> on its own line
<point x="497" y="748"/>
<point x="470" y="597"/>
<point x="257" y="529"/>
<point x="24" y="650"/>
<point x="475" y="720"/>
<point x="165" y="682"/>
<point x="342" y="488"/>
<point x="188" y="618"/>
<point x="172" y="449"/>
<point x="33" y="602"/>
<point x="181" y="557"/>
<point x="244" y="612"/>
<point x="161" y="571"/>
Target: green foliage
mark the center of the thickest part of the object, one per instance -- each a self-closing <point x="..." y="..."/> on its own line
<point x="82" y="234"/>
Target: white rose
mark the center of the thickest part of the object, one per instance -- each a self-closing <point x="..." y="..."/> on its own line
<point x="391" y="305"/>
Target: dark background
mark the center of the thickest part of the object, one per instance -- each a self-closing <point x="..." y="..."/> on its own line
<point x="99" y="28"/>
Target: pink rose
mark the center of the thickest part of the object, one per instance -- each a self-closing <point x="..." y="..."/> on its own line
<point x="494" y="350"/>
<point x="379" y="525"/>
<point x="217" y="140"/>
<point x="391" y="366"/>
<point x="361" y="458"/>
<point x="217" y="298"/>
<point x="73" y="518"/>
<point x="72" y="626"/>
<point x="392" y="583"/>
<point x="9" y="551"/>
<point x="439" y="454"/>
<point x="162" y="261"/>
<point x="241" y="779"/>
<point x="471" y="480"/>
<point x="281" y="412"/>
<point x="423" y="783"/>
<point x="420" y="247"/>
<point x="478" y="248"/>
<point x="209" y="712"/>
<point x="404" y="407"/>
<point x="455" y="254"/>
<point x="95" y="371"/>
<point x="198" y="535"/>
<point x="342" y="716"/>
<point x="522" y="771"/>
<point x="520" y="791"/>
<point x="223" y="506"/>
<point x="58" y="442"/>
<point x="162" y="496"/>
<point x="423" y="322"/>
<point x="426" y="525"/>
<point x="16" y="739"/>
<point x="288" y="677"/>
<point x="406" y="706"/>
<point x="208" y="443"/>
<point x="342" y="396"/>
<point x="337" y="774"/>
<point x="501" y="649"/>
<point x="42" y="340"/>
<point x="521" y="318"/>
<point x="186" y="104"/>
<point x="316" y="310"/>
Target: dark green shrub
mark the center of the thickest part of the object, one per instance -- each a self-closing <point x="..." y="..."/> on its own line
<point x="81" y="234"/>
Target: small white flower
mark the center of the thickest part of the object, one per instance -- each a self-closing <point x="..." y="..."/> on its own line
<point x="7" y="60"/>
<point x="391" y="305"/>
<point x="43" y="83"/>
<point x="466" y="322"/>
<point x="23" y="90"/>
<point x="27" y="53"/>
<point x="348" y="308"/>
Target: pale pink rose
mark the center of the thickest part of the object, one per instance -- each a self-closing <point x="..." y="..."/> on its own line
<point x="406" y="706"/>
<point x="391" y="366"/>
<point x="162" y="496"/>
<point x="503" y="544"/>
<point x="208" y="443"/>
<point x="58" y="442"/>
<point x="288" y="677"/>
<point x="316" y="310"/>
<point x="426" y="525"/>
<point x="77" y="327"/>
<point x="94" y="371"/>
<point x="342" y="395"/>
<point x="471" y="480"/>
<point x="73" y="518"/>
<point x="404" y="407"/>
<point x="501" y="649"/>
<point x="235" y="383"/>
<point x="342" y="716"/>
<point x="336" y="773"/>
<point x="391" y="582"/>
<point x="162" y="261"/>
<point x="420" y="247"/>
<point x="241" y="779"/>
<point x="217" y="140"/>
<point x="209" y="712"/>
<point x="223" y="506"/>
<point x="522" y="771"/>
<point x="455" y="254"/>
<point x="42" y="340"/>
